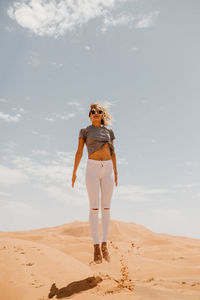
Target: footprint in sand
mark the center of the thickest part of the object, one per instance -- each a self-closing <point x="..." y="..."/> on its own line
<point x="41" y="285"/>
<point x="37" y="284"/>
<point x="30" y="264"/>
<point x="3" y="248"/>
<point x="19" y="249"/>
<point x="195" y="283"/>
<point x="149" y="279"/>
<point x="133" y="245"/>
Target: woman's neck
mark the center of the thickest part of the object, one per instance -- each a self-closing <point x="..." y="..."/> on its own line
<point x="96" y="124"/>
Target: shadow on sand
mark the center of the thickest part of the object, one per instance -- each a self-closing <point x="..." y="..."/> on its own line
<point x="74" y="287"/>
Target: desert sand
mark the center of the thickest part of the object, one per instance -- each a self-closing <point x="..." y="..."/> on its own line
<point x="55" y="263"/>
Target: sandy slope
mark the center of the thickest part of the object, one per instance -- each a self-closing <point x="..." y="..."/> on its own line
<point x="56" y="263"/>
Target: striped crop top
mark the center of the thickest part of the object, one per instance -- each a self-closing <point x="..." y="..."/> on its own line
<point x="97" y="136"/>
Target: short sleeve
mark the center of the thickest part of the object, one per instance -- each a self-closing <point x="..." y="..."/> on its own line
<point x="112" y="136"/>
<point x="82" y="134"/>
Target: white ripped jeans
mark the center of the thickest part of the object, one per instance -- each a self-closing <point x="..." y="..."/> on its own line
<point x="99" y="177"/>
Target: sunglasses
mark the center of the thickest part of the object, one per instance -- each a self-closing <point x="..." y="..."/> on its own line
<point x="98" y="111"/>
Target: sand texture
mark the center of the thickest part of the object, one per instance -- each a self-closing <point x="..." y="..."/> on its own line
<point x="56" y="263"/>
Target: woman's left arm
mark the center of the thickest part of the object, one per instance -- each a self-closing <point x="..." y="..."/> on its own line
<point x="114" y="164"/>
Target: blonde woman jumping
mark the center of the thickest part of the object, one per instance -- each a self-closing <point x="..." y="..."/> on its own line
<point x="99" y="175"/>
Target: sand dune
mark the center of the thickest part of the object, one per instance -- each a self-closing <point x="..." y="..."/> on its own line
<point x="55" y="263"/>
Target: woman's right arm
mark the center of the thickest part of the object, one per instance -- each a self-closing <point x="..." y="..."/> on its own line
<point x="77" y="159"/>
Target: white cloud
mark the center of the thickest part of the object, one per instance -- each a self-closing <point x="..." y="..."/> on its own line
<point x="122" y="161"/>
<point x="35" y="132"/>
<point x="3" y="100"/>
<point x="146" y="20"/>
<point x="188" y="163"/>
<point x="46" y="136"/>
<point x="4" y="194"/>
<point x="33" y="60"/>
<point x="21" y="110"/>
<point x="52" y="176"/>
<point x="9" y="118"/>
<point x="59" y="169"/>
<point x="137" y="193"/>
<point x="77" y="105"/>
<point x="40" y="152"/>
<point x="55" y="64"/>
<point x="87" y="47"/>
<point x="186" y="186"/>
<point x="164" y="220"/>
<point x="17" y="205"/>
<point x="134" y="49"/>
<point x="121" y="19"/>
<point x="74" y="197"/>
<point x="54" y="18"/>
<point x="9" y="29"/>
<point x="10" y="176"/>
<point x="170" y="213"/>
<point x="9" y="147"/>
<point x="60" y="116"/>
<point x="148" y="140"/>
<point x="56" y="192"/>
<point x="44" y="172"/>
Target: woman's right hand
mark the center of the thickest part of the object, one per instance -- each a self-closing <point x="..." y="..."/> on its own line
<point x="116" y="178"/>
<point x="73" y="179"/>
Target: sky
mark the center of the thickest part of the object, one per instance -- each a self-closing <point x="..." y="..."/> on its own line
<point x="138" y="57"/>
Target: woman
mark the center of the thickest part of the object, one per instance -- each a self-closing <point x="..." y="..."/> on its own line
<point x="99" y="173"/>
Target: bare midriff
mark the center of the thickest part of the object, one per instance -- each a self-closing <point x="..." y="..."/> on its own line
<point x="102" y="154"/>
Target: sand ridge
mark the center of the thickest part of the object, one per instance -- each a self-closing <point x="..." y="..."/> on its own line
<point x="55" y="263"/>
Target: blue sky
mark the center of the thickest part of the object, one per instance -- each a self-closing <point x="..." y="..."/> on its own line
<point x="140" y="58"/>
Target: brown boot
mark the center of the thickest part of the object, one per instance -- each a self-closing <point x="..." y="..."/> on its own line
<point x="97" y="254"/>
<point x="104" y="250"/>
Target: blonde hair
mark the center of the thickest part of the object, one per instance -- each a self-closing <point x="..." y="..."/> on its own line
<point x="106" y="116"/>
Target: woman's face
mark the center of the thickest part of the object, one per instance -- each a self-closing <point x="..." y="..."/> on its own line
<point x="96" y="116"/>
